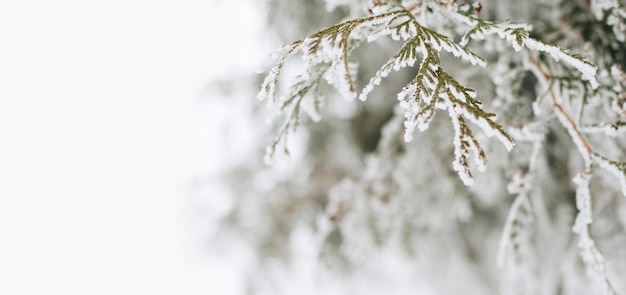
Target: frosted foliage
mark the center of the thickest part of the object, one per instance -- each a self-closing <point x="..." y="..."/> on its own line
<point x="463" y="146"/>
<point x="587" y="70"/>
<point x="486" y="153"/>
<point x="518" y="35"/>
<point x="269" y="85"/>
<point x="514" y="228"/>
<point x="335" y="77"/>
<point x="594" y="261"/>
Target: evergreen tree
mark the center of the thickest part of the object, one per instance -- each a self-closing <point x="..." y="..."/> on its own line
<point x="513" y="183"/>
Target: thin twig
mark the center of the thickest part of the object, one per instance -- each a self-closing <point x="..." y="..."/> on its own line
<point x="559" y="108"/>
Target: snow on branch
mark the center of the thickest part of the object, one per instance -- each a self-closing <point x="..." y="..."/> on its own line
<point x="268" y="88"/>
<point x="433" y="89"/>
<point x="515" y="228"/>
<point x="465" y="144"/>
<point x="587" y="69"/>
<point x="519" y="37"/>
<point x="422" y="40"/>
<point x="591" y="256"/>
<point x="593" y="259"/>
<point x="521" y="216"/>
<point x="576" y="133"/>
<point x="609" y="129"/>
<point x="326" y="54"/>
<point x="292" y="106"/>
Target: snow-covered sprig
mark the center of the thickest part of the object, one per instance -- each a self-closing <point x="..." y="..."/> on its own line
<point x="325" y="54"/>
<point x="330" y="46"/>
<point x="461" y="103"/>
<point x="433" y="89"/>
<point x="465" y="144"/>
<point x="519" y="37"/>
<point x="406" y="56"/>
<point x="591" y="256"/>
<point x="268" y="88"/>
<point x="609" y="129"/>
<point x="513" y="32"/>
<point x="292" y="107"/>
<point x="517" y="225"/>
<point x="586" y="68"/>
<point x="572" y="128"/>
<point x="399" y="27"/>
<point x="593" y="259"/>
<point x="426" y="43"/>
<point x="419" y="97"/>
<point x="588" y="154"/>
<point x="522" y="213"/>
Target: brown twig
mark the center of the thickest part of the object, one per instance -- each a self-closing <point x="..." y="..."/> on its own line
<point x="559" y="108"/>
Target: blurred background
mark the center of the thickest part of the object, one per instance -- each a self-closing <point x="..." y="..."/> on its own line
<point x="104" y="125"/>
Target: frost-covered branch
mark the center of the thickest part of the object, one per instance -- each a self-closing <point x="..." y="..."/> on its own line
<point x="584" y="148"/>
<point x="521" y="214"/>
<point x="593" y="259"/>
<point x="327" y="51"/>
<point x="433" y="88"/>
<point x="519" y="37"/>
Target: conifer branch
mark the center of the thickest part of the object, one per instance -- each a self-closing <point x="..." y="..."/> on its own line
<point x="432" y="88"/>
<point x="519" y="37"/>
<point x="593" y="259"/>
<point x="591" y="256"/>
<point x="519" y="218"/>
<point x="584" y="147"/>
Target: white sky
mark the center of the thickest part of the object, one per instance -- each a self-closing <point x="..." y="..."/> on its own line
<point x="100" y="133"/>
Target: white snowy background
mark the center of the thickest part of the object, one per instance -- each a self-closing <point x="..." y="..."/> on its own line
<point x="103" y="125"/>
